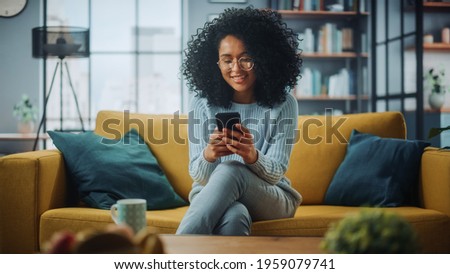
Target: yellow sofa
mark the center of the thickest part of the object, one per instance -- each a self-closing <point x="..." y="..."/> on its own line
<point x="34" y="203"/>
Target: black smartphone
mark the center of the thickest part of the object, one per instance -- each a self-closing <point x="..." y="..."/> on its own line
<point x="227" y="120"/>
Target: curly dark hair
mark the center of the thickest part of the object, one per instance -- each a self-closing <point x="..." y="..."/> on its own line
<point x="267" y="39"/>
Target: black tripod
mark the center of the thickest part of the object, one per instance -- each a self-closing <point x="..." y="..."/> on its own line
<point x="44" y="114"/>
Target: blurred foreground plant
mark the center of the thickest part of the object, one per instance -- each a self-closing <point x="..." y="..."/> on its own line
<point x="371" y="231"/>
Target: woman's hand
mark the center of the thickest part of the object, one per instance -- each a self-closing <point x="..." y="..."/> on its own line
<point x="240" y="142"/>
<point x="216" y="147"/>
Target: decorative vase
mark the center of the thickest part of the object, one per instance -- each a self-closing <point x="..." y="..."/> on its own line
<point x="436" y="100"/>
<point x="25" y="127"/>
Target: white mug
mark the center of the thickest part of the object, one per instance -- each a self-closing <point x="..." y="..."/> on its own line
<point x="131" y="212"/>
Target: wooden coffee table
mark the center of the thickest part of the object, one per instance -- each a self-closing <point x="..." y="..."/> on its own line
<point x="201" y="244"/>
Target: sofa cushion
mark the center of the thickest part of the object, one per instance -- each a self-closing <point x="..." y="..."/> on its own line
<point x="165" y="134"/>
<point x="377" y="172"/>
<point x="106" y="170"/>
<point x="308" y="221"/>
<point x="322" y="144"/>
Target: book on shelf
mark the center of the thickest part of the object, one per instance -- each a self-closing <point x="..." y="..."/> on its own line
<point x="362" y="6"/>
<point x="306" y="5"/>
<point x="311" y="5"/>
<point x="312" y="84"/>
<point x="284" y="4"/>
<point x="327" y="39"/>
<point x="339" y="84"/>
<point x="309" y="84"/>
<point x="317" y="5"/>
<point x="317" y="82"/>
<point x="304" y="86"/>
<point x="347" y="39"/>
<point x="307" y="41"/>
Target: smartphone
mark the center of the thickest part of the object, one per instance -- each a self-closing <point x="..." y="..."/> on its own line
<point x="227" y="120"/>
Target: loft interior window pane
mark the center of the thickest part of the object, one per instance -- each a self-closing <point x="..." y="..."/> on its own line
<point x="78" y="69"/>
<point x="394" y="67"/>
<point x="72" y="13"/>
<point x="410" y="104"/>
<point x="381" y="70"/>
<point x="159" y="25"/>
<point x="409" y="17"/>
<point x="381" y="105"/>
<point x="410" y="65"/>
<point x="381" y="21"/>
<point x="394" y="18"/>
<point x="113" y="83"/>
<point x="394" y="105"/>
<point x="113" y="25"/>
<point x="159" y="85"/>
<point x="114" y="53"/>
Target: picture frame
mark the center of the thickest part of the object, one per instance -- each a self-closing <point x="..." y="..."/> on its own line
<point x="228" y="1"/>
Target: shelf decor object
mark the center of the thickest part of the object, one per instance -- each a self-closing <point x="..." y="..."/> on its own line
<point x="25" y="112"/>
<point x="60" y="42"/>
<point x="434" y="78"/>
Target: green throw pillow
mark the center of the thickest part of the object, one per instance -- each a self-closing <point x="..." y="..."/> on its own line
<point x="106" y="170"/>
<point x="377" y="172"/>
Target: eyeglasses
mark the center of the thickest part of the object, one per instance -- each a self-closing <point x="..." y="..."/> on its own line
<point x="245" y="63"/>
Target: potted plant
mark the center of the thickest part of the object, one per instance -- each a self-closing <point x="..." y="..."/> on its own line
<point x="435" y="131"/>
<point x="435" y="81"/>
<point x="26" y="113"/>
<point x="371" y="231"/>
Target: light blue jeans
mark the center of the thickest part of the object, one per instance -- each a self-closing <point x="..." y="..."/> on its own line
<point x="232" y="198"/>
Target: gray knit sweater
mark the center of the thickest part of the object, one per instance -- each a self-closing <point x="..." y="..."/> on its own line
<point x="274" y="134"/>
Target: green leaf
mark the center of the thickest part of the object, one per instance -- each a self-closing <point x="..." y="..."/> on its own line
<point x="436" y="131"/>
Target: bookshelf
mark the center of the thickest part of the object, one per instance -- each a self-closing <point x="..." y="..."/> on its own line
<point x="314" y="13"/>
<point x="432" y="6"/>
<point x="435" y="10"/>
<point x="434" y="47"/>
<point x="444" y="47"/>
<point x="335" y="50"/>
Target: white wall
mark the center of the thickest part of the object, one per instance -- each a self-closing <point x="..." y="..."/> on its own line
<point x="19" y="72"/>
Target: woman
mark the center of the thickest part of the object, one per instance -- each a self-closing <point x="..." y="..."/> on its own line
<point x="244" y="61"/>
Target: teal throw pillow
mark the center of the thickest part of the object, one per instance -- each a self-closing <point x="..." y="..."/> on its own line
<point x="377" y="172"/>
<point x="106" y="170"/>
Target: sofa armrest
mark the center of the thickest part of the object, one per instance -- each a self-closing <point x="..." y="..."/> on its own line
<point x="30" y="184"/>
<point x="435" y="179"/>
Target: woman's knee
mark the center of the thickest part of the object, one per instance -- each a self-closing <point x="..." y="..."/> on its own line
<point x="232" y="169"/>
<point x="231" y="175"/>
<point x="235" y="221"/>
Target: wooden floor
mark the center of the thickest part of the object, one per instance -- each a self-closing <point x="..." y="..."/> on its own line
<point x="200" y="244"/>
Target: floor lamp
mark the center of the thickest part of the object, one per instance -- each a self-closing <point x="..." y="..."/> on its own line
<point x="61" y="43"/>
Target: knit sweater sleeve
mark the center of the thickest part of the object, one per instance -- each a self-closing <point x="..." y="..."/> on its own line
<point x="199" y="168"/>
<point x="273" y="158"/>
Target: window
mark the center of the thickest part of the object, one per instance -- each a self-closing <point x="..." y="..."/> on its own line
<point x="136" y="54"/>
